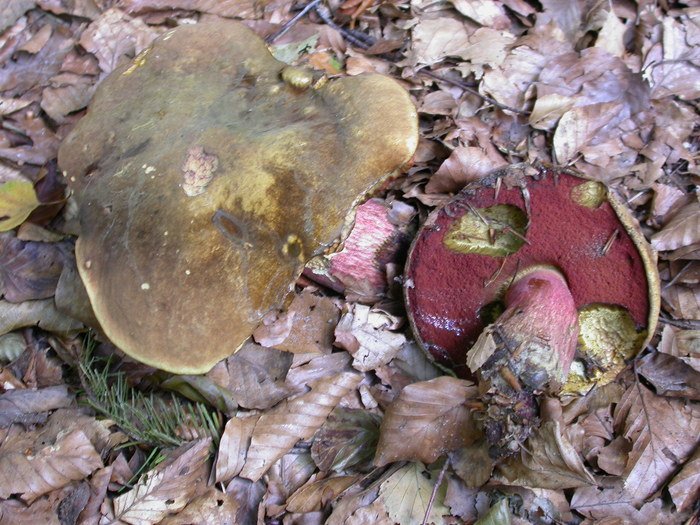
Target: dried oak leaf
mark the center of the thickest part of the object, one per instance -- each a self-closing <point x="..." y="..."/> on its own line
<point x="663" y="431"/>
<point x="167" y="488"/>
<point x="47" y="466"/>
<point x="427" y="420"/>
<point x="296" y="419"/>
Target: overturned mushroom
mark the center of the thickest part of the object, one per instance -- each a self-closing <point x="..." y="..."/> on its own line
<point x="517" y="274"/>
<point x="208" y="173"/>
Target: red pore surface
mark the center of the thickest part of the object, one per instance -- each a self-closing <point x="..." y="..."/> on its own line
<point x="446" y="290"/>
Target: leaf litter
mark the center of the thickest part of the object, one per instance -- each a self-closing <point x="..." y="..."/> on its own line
<point x="334" y="414"/>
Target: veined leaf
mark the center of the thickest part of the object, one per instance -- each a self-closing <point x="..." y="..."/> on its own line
<point x="17" y="200"/>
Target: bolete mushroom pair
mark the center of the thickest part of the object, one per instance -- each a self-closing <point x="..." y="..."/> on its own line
<point x="207" y="174"/>
<point x="519" y="274"/>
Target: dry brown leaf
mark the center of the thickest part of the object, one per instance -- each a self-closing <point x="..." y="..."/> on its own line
<point x="473" y="464"/>
<point x="548" y="460"/>
<point x="318" y="368"/>
<point x="255" y="376"/>
<point x="427" y="420"/>
<point x="614" y="502"/>
<point x="436" y="39"/>
<point x="305" y="327"/>
<point x="348" y="437"/>
<point x="286" y="476"/>
<point x="683" y="302"/>
<point x="316" y="494"/>
<point x="297" y="419"/>
<point x="115" y="36"/>
<point x="14" y="512"/>
<point x="366" y="335"/>
<point x="30" y="270"/>
<point x="30" y="406"/>
<point x="670" y="376"/>
<point x="246" y="9"/>
<point x="47" y="466"/>
<point x="664" y="432"/>
<point x="81" y="8"/>
<point x="10" y="105"/>
<point x="682" y="230"/>
<point x="99" y="481"/>
<point x="486" y="12"/>
<point x="214" y="507"/>
<point x="407" y="493"/>
<point x="40" y="313"/>
<point x="167" y="488"/>
<point x="68" y="93"/>
<point x="11" y="11"/>
<point x="685" y="486"/>
<point x="465" y="164"/>
<point x="233" y="447"/>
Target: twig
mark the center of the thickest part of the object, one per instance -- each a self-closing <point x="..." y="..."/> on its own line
<point x="363" y="42"/>
<point x="473" y="91"/>
<point x="269" y="39"/>
<point x="685" y="324"/>
<point x="436" y="487"/>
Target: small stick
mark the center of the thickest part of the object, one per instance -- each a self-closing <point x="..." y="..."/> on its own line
<point x="436" y="487"/>
<point x="269" y="39"/>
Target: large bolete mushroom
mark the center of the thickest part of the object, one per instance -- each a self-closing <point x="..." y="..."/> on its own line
<point x="207" y="174"/>
<point x="519" y="274"/>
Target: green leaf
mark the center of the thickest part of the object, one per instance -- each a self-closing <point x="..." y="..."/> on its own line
<point x="17" y="201"/>
<point x="407" y="493"/>
<point x="499" y="514"/>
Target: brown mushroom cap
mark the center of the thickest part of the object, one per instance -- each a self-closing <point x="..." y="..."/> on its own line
<point x="206" y="180"/>
<point x="468" y="252"/>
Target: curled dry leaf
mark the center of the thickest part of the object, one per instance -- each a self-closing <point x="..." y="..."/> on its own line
<point x="548" y="461"/>
<point x="670" y="376"/>
<point x="31" y="405"/>
<point x="167" y="488"/>
<point x="48" y="465"/>
<point x="348" y="437"/>
<point x="426" y="421"/>
<point x="313" y="496"/>
<point x="366" y="334"/>
<point x="42" y="313"/>
<point x="682" y="230"/>
<point x="233" y="447"/>
<point x="465" y="164"/>
<point x="685" y="486"/>
<point x="660" y="444"/>
<point x="297" y="419"/>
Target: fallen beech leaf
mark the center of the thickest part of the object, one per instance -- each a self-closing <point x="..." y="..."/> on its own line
<point x="30" y="270"/>
<point x="614" y="502"/>
<point x="682" y="230"/>
<point x="167" y="488"/>
<point x="233" y="447"/>
<point x="465" y="164"/>
<point x="245" y="9"/>
<point x="313" y="496"/>
<point x="436" y="39"/>
<point x="486" y="12"/>
<point x="670" y="376"/>
<point x="15" y="512"/>
<point x="31" y="405"/>
<point x="426" y="421"/>
<point x="256" y="376"/>
<point x="685" y="486"/>
<point x="11" y="11"/>
<point x="297" y="419"/>
<point x="81" y="8"/>
<point x="47" y="466"/>
<point x="10" y="105"/>
<point x="548" y="460"/>
<point x="40" y="313"/>
<point x="664" y="433"/>
<point x="17" y="201"/>
<point x="348" y="437"/>
<point x="408" y="491"/>
<point x="213" y="507"/>
<point x="367" y="336"/>
<point x="114" y="36"/>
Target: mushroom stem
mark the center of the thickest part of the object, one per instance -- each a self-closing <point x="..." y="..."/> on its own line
<point x="527" y="351"/>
